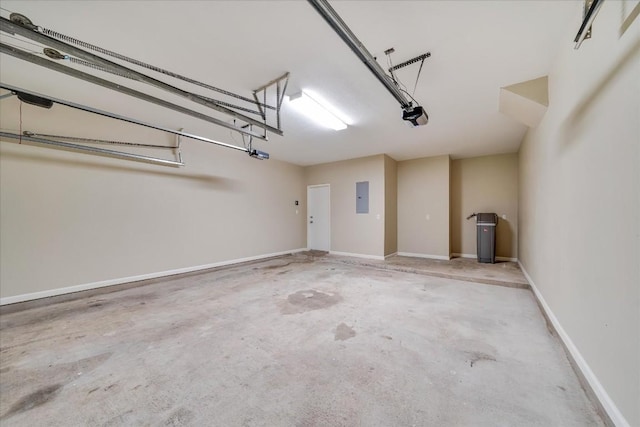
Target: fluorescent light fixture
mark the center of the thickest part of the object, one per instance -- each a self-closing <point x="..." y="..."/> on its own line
<point x="317" y="109"/>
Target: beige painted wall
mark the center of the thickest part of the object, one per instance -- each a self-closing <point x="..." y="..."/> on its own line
<point x="485" y="184"/>
<point x="579" y="225"/>
<point x="390" y="206"/>
<point x="423" y="190"/>
<point x="350" y="232"/>
<point x="72" y="219"/>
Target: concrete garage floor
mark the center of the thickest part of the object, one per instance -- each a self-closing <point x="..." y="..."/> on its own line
<point x="292" y="341"/>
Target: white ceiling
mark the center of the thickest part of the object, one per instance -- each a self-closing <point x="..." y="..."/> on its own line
<point x="476" y="46"/>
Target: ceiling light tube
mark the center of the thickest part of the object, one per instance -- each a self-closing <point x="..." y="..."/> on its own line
<point x="317" y="110"/>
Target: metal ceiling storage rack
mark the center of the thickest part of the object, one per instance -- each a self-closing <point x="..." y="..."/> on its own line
<point x="54" y="43"/>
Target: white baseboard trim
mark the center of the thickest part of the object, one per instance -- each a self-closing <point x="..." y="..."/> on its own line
<point x="379" y="257"/>
<point x="444" y="257"/>
<point x="504" y="258"/>
<point x="498" y="258"/>
<point x="390" y="255"/>
<point x="601" y="394"/>
<point x="87" y="286"/>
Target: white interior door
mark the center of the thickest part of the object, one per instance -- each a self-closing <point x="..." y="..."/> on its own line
<point x="318" y="217"/>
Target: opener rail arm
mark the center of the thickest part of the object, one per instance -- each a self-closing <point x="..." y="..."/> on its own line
<point x="122" y="118"/>
<point x="92" y="150"/>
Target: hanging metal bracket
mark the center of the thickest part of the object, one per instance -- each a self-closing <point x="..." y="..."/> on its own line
<point x="281" y="87"/>
<point x="410" y="61"/>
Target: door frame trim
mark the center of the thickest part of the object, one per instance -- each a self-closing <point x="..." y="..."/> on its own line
<point x="307" y="216"/>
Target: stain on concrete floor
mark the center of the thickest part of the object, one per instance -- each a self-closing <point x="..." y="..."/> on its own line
<point x="479" y="356"/>
<point x="344" y="332"/>
<point x="308" y="300"/>
<point x="179" y="417"/>
<point x="33" y="400"/>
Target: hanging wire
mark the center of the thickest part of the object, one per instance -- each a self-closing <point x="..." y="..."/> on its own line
<point x="244" y="141"/>
<point x="404" y="89"/>
<point x="248" y="146"/>
<point x="390" y="64"/>
<point x="410" y="96"/>
<point x="418" y="76"/>
<point x="20" y="121"/>
<point x="397" y="81"/>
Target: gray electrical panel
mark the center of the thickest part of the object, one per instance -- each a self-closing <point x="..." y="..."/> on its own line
<point x="362" y="197"/>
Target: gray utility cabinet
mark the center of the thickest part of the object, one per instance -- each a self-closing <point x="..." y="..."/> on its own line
<point x="486" y="224"/>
